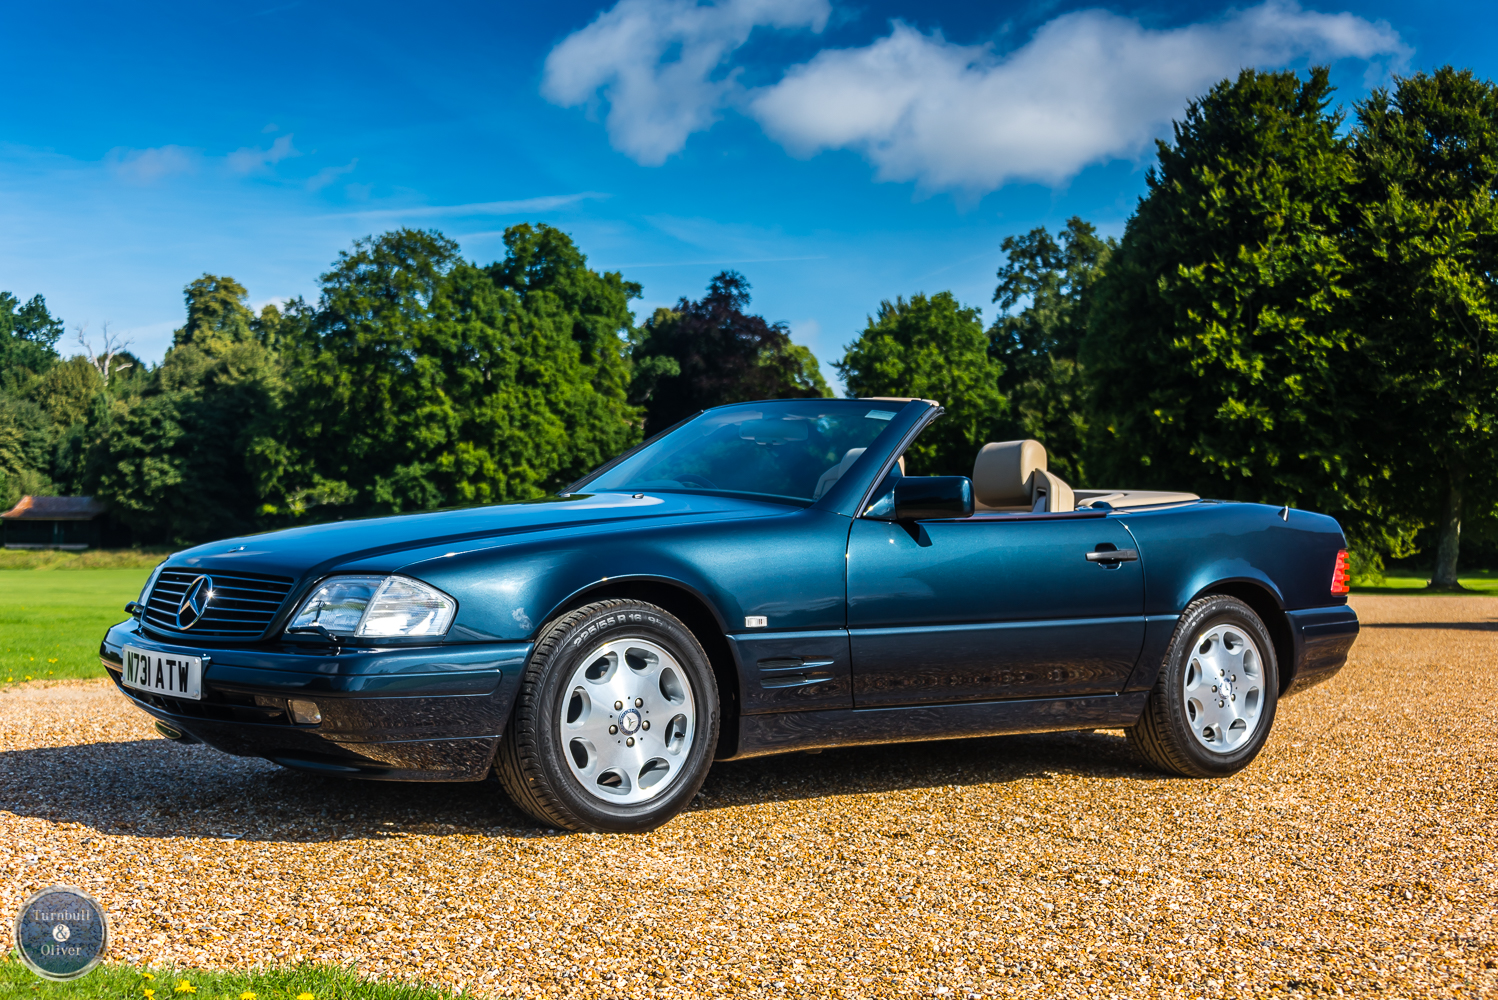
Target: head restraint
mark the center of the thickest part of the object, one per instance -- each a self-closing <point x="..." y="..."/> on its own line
<point x="1002" y="471"/>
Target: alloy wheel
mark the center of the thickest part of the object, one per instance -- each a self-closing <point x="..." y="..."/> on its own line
<point x="627" y="719"/>
<point x="1223" y="688"/>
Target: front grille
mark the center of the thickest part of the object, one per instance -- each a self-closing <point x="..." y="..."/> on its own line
<point x="242" y="606"/>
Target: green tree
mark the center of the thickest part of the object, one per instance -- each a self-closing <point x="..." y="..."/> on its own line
<point x="1221" y="353"/>
<point x="217" y="315"/>
<point x="1038" y="345"/>
<point x="588" y="391"/>
<point x="26" y="440"/>
<point x="710" y="352"/>
<point x="66" y="392"/>
<point x="28" y="435"/>
<point x="932" y="348"/>
<point x="1426" y="250"/>
<point x="168" y="450"/>
<point x="421" y="379"/>
<point x="28" y="335"/>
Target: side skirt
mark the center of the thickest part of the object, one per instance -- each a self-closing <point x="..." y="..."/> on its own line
<point x="788" y="731"/>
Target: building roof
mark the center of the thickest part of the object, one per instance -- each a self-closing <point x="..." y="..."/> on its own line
<point x="55" y="509"/>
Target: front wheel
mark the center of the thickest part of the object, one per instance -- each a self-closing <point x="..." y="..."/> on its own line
<point x="615" y="722"/>
<point x="1214" y="701"/>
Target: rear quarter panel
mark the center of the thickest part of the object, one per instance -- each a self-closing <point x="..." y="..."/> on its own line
<point x="1186" y="550"/>
<point x="1285" y="564"/>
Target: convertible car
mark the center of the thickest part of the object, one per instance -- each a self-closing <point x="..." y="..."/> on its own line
<point x="760" y="578"/>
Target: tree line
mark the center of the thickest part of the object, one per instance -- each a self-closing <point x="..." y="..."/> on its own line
<point x="417" y="380"/>
<point x="1302" y="310"/>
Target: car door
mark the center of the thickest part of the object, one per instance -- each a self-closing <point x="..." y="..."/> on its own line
<point x="991" y="607"/>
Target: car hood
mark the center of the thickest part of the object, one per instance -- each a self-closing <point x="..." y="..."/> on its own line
<point x="295" y="552"/>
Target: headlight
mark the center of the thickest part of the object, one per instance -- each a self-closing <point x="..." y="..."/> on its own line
<point x="376" y="606"/>
<point x="403" y="606"/>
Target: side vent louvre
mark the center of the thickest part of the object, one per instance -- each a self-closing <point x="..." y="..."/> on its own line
<point x="790" y="672"/>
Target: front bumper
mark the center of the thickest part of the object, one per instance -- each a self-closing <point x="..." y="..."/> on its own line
<point x="411" y="713"/>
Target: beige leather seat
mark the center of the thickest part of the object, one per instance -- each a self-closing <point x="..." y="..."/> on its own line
<point x="1011" y="475"/>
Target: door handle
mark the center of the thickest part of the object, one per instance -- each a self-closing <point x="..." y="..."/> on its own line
<point x="1114" y="556"/>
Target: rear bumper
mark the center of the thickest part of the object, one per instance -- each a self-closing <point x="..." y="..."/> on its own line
<point x="1322" y="637"/>
<point x="432" y="713"/>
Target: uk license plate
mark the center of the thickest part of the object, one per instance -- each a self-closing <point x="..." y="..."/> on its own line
<point x="174" y="674"/>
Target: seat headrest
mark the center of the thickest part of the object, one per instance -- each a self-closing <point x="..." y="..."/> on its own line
<point x="1002" y="471"/>
<point x="1051" y="493"/>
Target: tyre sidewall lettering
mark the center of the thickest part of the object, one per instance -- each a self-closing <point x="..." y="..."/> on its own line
<point x="621" y="618"/>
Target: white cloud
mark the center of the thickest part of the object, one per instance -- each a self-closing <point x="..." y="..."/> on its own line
<point x="521" y="206"/>
<point x="143" y="166"/>
<point x="328" y="175"/>
<point x="1089" y="86"/>
<point x="658" y="62"/>
<point x="251" y="159"/>
<point x="733" y="262"/>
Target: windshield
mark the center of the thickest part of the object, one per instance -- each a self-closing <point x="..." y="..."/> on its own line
<point x="795" y="449"/>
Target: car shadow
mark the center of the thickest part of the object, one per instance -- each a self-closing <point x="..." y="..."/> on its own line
<point x="902" y="766"/>
<point x="156" y="788"/>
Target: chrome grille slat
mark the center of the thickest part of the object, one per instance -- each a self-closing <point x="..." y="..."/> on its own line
<point x="243" y="604"/>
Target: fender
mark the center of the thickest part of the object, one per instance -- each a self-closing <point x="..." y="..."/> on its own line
<point x="787" y="567"/>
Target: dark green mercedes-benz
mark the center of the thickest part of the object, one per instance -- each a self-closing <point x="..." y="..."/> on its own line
<point x="760" y="578"/>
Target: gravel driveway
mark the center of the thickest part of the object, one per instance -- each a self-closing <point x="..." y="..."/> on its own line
<point x="1358" y="855"/>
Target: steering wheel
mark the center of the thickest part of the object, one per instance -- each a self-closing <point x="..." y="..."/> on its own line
<point x="694" y="480"/>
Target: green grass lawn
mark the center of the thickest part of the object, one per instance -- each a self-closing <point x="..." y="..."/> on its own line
<point x="92" y="559"/>
<point x="123" y="981"/>
<point x="51" y="620"/>
<point x="1481" y="582"/>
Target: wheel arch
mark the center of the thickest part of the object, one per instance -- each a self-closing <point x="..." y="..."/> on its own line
<point x="1266" y="604"/>
<point x="694" y="611"/>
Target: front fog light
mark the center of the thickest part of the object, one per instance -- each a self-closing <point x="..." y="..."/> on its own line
<point x="304" y="712"/>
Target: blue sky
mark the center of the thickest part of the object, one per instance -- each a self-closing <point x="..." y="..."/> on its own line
<point x="836" y="154"/>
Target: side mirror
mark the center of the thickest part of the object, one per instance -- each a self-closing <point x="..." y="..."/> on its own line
<point x="924" y="498"/>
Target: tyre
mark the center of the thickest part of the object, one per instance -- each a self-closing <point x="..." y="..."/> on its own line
<point x="1213" y="704"/>
<point x="615" y="722"/>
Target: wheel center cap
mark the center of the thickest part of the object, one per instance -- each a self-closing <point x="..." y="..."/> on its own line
<point x="629" y="722"/>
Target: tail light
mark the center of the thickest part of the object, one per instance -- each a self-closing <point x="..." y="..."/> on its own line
<point x="1339" y="574"/>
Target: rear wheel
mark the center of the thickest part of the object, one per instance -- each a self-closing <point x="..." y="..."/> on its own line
<point x="615" y="722"/>
<point x="1214" y="702"/>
